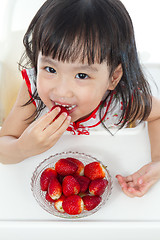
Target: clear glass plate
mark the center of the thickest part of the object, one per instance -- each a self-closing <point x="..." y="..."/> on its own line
<point x="50" y="162"/>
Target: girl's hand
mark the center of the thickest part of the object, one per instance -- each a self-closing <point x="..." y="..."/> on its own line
<point x="137" y="184"/>
<point x="43" y="133"/>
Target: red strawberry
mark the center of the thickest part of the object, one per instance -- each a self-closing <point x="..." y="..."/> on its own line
<point x="60" y="178"/>
<point x="48" y="198"/>
<point x="84" y="183"/>
<point x="94" y="170"/>
<point x="65" y="167"/>
<point x="70" y="186"/>
<point x="73" y="205"/>
<point x="58" y="204"/>
<point x="54" y="189"/>
<point x="46" y="175"/>
<point x="98" y="186"/>
<point x="90" y="202"/>
<point x="63" y="109"/>
<point x="80" y="165"/>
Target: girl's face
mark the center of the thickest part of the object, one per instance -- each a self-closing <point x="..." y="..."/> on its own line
<point x="79" y="87"/>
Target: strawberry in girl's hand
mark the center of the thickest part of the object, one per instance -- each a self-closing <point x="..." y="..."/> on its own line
<point x="98" y="186"/>
<point x="70" y="186"/>
<point x="58" y="204"/>
<point x="90" y="202"/>
<point x="80" y="165"/>
<point x="54" y="189"/>
<point x="94" y="170"/>
<point x="73" y="205"/>
<point x="84" y="183"/>
<point x="46" y="175"/>
<point x="65" y="167"/>
<point x="63" y="109"/>
<point x="48" y="198"/>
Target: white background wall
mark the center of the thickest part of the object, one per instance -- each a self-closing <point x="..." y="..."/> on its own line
<point x="15" y="15"/>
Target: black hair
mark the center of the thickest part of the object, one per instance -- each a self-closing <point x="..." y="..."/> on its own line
<point x="96" y="30"/>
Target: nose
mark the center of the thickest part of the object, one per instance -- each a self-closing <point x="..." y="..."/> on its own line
<point x="63" y="88"/>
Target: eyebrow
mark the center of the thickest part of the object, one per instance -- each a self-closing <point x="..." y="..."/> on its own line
<point x="84" y="67"/>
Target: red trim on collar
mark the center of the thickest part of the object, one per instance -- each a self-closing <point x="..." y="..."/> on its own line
<point x="109" y="103"/>
<point x="26" y="78"/>
<point x="76" y="124"/>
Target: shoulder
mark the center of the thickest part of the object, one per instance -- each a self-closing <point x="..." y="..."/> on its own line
<point x="16" y="123"/>
<point x="155" y="111"/>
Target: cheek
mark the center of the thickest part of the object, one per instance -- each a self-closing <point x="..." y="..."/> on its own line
<point x="97" y="93"/>
<point x="42" y="89"/>
<point x="91" y="97"/>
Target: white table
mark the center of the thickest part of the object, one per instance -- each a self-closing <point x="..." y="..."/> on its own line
<point x="21" y="218"/>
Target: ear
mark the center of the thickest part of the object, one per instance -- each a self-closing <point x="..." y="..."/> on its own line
<point x="116" y="77"/>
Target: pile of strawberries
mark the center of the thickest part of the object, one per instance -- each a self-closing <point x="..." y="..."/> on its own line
<point x="72" y="187"/>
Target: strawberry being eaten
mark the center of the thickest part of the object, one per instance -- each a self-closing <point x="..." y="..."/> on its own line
<point x="63" y="109"/>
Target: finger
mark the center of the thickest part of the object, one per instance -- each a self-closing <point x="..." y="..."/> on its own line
<point x="130" y="184"/>
<point x="133" y="178"/>
<point x="125" y="186"/>
<point x="54" y="137"/>
<point x="128" y="192"/>
<point x="125" y="179"/>
<point x="44" y="121"/>
<point x="134" y="191"/>
<point x="62" y="120"/>
<point x="139" y="191"/>
<point x="128" y="178"/>
<point x="121" y="181"/>
<point x="119" y="178"/>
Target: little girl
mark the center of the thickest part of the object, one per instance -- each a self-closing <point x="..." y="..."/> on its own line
<point x="81" y="55"/>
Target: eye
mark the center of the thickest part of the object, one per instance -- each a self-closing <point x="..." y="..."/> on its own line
<point x="50" y="69"/>
<point x="82" y="76"/>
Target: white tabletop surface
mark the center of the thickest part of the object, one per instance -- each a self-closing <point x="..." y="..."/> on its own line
<point x="21" y="217"/>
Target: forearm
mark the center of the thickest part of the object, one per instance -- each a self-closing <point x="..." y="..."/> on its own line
<point x="9" y="150"/>
<point x="154" y="135"/>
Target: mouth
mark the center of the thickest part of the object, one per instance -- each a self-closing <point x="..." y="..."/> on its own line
<point x="68" y="107"/>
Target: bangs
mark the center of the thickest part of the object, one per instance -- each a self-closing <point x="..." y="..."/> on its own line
<point x="71" y="47"/>
<point x="75" y="32"/>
